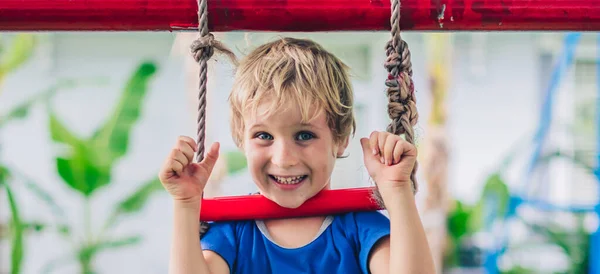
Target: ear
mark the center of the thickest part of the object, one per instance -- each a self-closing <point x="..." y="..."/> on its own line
<point x="342" y="147"/>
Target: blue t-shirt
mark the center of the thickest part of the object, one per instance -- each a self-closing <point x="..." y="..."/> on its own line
<point x="343" y="246"/>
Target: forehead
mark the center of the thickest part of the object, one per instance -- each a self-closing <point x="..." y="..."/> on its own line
<point x="286" y="114"/>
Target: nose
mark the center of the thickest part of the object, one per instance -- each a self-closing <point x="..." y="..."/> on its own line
<point x="285" y="154"/>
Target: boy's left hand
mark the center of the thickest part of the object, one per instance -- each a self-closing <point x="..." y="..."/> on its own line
<point x="389" y="159"/>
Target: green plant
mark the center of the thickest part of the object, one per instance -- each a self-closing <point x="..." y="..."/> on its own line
<point x="87" y="167"/>
<point x="18" y="228"/>
<point x="466" y="220"/>
<point x="14" y="53"/>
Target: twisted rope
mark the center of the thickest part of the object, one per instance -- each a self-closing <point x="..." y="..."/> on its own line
<point x="202" y="50"/>
<point x="402" y="107"/>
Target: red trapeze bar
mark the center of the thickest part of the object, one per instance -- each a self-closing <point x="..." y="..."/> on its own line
<point x="258" y="207"/>
<point x="298" y="15"/>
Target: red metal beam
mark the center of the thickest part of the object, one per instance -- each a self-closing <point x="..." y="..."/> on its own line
<point x="299" y="15"/>
<point x="251" y="207"/>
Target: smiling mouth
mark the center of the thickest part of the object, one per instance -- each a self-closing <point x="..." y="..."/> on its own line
<point x="288" y="180"/>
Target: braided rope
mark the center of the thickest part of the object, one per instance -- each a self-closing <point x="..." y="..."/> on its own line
<point x="202" y="50"/>
<point x="402" y="107"/>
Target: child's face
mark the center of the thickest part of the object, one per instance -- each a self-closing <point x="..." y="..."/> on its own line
<point x="290" y="161"/>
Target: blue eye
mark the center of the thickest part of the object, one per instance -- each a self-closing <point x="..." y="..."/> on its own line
<point x="304" y="136"/>
<point x="264" y="136"/>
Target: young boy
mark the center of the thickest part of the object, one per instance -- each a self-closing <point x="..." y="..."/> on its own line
<point x="292" y="115"/>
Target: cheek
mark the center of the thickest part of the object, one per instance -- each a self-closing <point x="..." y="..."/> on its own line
<point x="323" y="158"/>
<point x="255" y="156"/>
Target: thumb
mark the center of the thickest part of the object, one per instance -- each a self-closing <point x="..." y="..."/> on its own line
<point x="210" y="158"/>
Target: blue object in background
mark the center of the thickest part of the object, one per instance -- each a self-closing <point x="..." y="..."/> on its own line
<point x="520" y="196"/>
<point x="595" y="238"/>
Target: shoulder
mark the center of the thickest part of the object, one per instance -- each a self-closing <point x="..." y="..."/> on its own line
<point x="225" y="239"/>
<point x="366" y="230"/>
<point x="231" y="231"/>
<point x="364" y="220"/>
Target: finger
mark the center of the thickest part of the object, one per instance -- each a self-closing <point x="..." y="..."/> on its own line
<point x="398" y="151"/>
<point x="211" y="157"/>
<point x="404" y="150"/>
<point x="410" y="151"/>
<point x="187" y="140"/>
<point x="381" y="145"/>
<point x="187" y="149"/>
<point x="373" y="142"/>
<point x="175" y="166"/>
<point x="368" y="151"/>
<point x="178" y="156"/>
<point x="388" y="149"/>
<point x="366" y="146"/>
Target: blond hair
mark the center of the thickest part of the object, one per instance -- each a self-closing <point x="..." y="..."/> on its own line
<point x="297" y="71"/>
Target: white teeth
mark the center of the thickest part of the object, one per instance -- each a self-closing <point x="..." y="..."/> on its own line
<point x="288" y="180"/>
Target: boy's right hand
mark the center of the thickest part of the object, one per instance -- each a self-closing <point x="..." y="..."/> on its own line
<point x="181" y="176"/>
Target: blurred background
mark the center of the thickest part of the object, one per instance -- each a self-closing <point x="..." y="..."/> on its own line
<point x="507" y="141"/>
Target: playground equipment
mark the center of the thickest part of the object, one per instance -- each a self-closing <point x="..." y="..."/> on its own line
<point x="305" y="15"/>
<point x="299" y="15"/>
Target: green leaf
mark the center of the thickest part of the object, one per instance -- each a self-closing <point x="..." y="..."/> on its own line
<point x="44" y="196"/>
<point x="22" y="110"/>
<point x="16" y="228"/>
<point x="110" y="244"/>
<point x="136" y="201"/>
<point x="84" y="169"/>
<point x="41" y="194"/>
<point x="54" y="264"/>
<point x="87" y="253"/>
<point x="81" y="174"/>
<point x="60" y="133"/>
<point x="19" y="112"/>
<point x="33" y="227"/>
<point x="89" y="163"/>
<point x="458" y="220"/>
<point x="113" y="136"/>
<point x="16" y="225"/>
<point x="496" y="187"/>
<point x="4" y="175"/>
<point x="494" y="200"/>
<point x="79" y="170"/>
<point x="19" y="51"/>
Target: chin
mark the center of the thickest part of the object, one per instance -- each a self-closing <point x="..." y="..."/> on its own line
<point x="291" y="203"/>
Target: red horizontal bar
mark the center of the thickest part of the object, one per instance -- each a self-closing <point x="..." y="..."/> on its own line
<point x="299" y="15"/>
<point x="253" y="207"/>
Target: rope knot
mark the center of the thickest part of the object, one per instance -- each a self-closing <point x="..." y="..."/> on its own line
<point x="402" y="107"/>
<point x="203" y="48"/>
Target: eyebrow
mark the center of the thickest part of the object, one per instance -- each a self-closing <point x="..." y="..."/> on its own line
<point x="301" y="124"/>
<point x="255" y="125"/>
